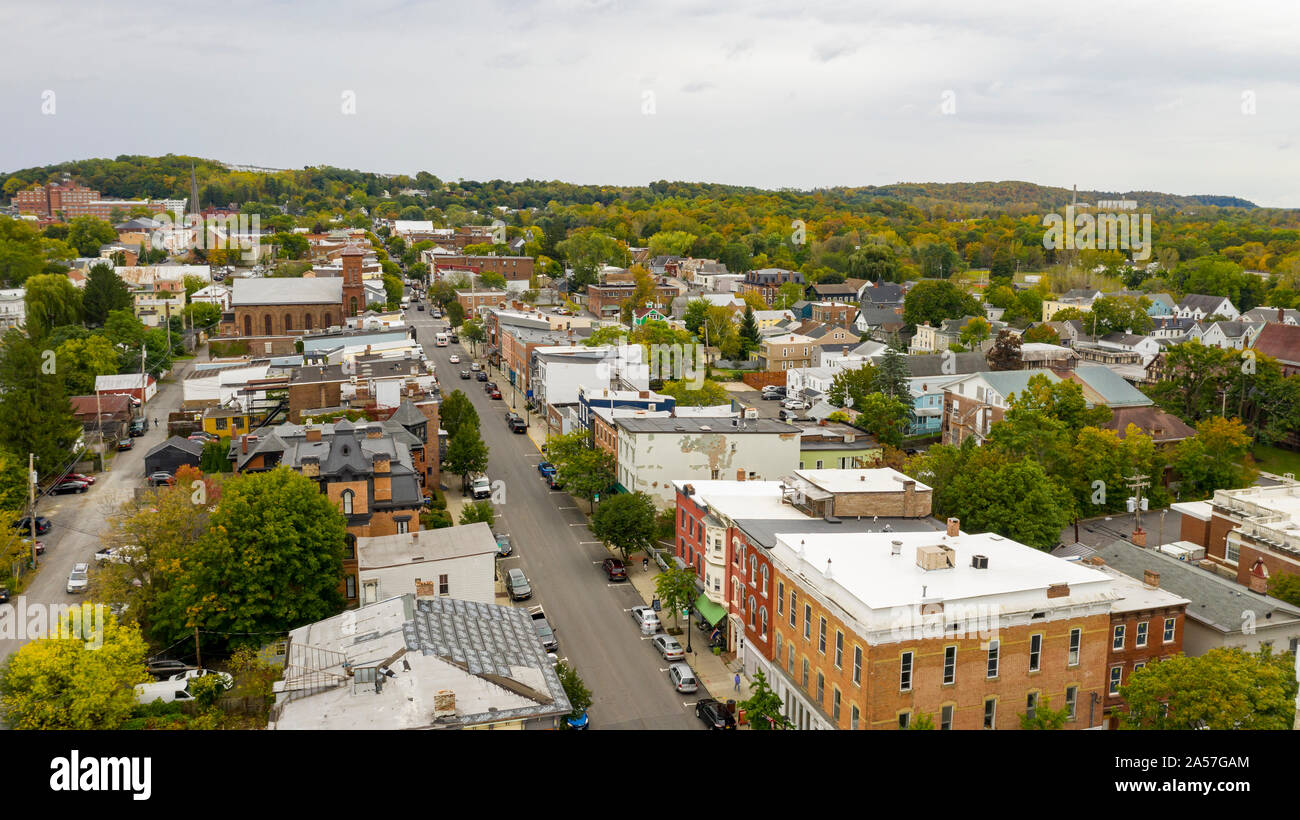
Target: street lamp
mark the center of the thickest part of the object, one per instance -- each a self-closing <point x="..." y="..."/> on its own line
<point x="686" y="610"/>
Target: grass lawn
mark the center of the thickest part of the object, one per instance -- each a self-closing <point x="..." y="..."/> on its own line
<point x="1276" y="460"/>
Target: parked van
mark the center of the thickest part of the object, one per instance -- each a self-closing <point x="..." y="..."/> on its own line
<point x="480" y="487"/>
<point x="682" y="678"/>
<point x="177" y="688"/>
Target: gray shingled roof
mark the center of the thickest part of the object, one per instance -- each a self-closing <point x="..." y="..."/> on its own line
<point x="284" y="291"/>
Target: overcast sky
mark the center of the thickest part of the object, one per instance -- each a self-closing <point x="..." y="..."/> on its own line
<point x="1108" y="96"/>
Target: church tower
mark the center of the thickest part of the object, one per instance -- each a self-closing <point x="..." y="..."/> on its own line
<point x="354" y="293"/>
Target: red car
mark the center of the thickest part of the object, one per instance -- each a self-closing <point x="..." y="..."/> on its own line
<point x="89" y="479"/>
<point x="614" y="569"/>
<point x="496" y="394"/>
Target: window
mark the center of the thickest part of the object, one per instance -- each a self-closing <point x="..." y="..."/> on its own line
<point x="403" y="527"/>
<point x="904" y="719"/>
<point x="1169" y="630"/>
<point x="1076" y="635"/>
<point x="839" y="649"/>
<point x="1031" y="705"/>
<point x="807" y="622"/>
<point x="351" y="583"/>
<point x="778" y="647"/>
<point x="853" y="717"/>
<point x="221" y="424"/>
<point x="835" y="704"/>
<point x="945" y="718"/>
<point x="349" y="546"/>
<point x="764" y="587"/>
<point x="821" y="687"/>
<point x="857" y="665"/>
<point x="990" y="712"/>
<point x="762" y="621"/>
<point x="1035" y="652"/>
<point x="1142" y="634"/>
<point x="753" y="612"/>
<point x="1071" y="700"/>
<point x="347" y="501"/>
<point x="821" y="636"/>
<point x="805" y="674"/>
<point x="780" y="598"/>
<point x="905" y="673"/>
<point x="1116" y="673"/>
<point x="444" y="587"/>
<point x="1232" y="552"/>
<point x="1138" y="666"/>
<point x="1117" y="641"/>
<point x="790" y="662"/>
<point x="993" y="659"/>
<point x="793" y="597"/>
<point x="753" y="570"/>
<point x="950" y="664"/>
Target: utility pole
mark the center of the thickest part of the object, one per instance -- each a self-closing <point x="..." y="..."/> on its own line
<point x="31" y="501"/>
<point x="198" y="654"/>
<point x="1137" y="483"/>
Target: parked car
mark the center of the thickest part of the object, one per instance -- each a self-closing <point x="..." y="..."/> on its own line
<point x="4" y="595"/>
<point x="494" y="393"/>
<point x="455" y="338"/>
<point x="24" y="524"/>
<point x="454" y="359"/>
<point x="138" y="427"/>
<point x="480" y="487"/>
<point x="646" y="618"/>
<point x="481" y="376"/>
<point x="795" y="404"/>
<point x="516" y="423"/>
<point x="614" y="569"/>
<point x="125" y="444"/>
<point x="175" y="690"/>
<point x="517" y="585"/>
<point x="553" y="482"/>
<point x="787" y="415"/>
<point x="420" y="306"/>
<point x="79" y="578"/>
<point x="89" y="479"/>
<point x="714" y="714"/>
<point x="580" y="722"/>
<point x="203" y="435"/>
<point x="544" y="629"/>
<point x="27" y="546"/>
<point x="70" y="486"/>
<point x="668" y="647"/>
<point x="682" y="678"/>
<point x="546" y="468"/>
<point x="475" y="366"/>
<point x="465" y="374"/>
<point x="116" y="555"/>
<point x="164" y="669"/>
<point x="503" y="544"/>
<point x="488" y="387"/>
<point x="161" y="479"/>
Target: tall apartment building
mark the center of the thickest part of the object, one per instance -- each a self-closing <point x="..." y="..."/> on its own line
<point x="67" y="199"/>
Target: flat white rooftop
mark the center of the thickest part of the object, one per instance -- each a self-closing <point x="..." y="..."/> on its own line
<point x="874" y="480"/>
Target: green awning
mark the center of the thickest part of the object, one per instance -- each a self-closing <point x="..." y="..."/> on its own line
<point x="712" y="612"/>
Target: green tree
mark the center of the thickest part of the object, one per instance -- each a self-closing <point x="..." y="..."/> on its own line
<point x="934" y="301"/>
<point x="786" y="295"/>
<point x="708" y="394"/>
<point x="87" y="233"/>
<point x="215" y="457"/>
<point x="884" y="417"/>
<point x="474" y="332"/>
<point x="891" y="376"/>
<point x="1226" y="688"/>
<point x="875" y="263"/>
<point x="13" y="483"/>
<point x="271" y="560"/>
<point x="587" y="473"/>
<point x="1214" y="459"/>
<point x="974" y="332"/>
<point x="671" y="243"/>
<point x="1042" y="334"/>
<point x="750" y="339"/>
<point x="1016" y="499"/>
<point x="675" y="588"/>
<point x="1122" y="314"/>
<point x="455" y="314"/>
<point x="1045" y="717"/>
<point x="202" y="314"/>
<point x="466" y="453"/>
<point x="492" y="280"/>
<point x="455" y="411"/>
<point x="21" y="252"/>
<point x="922" y="723"/>
<point x="83" y="677"/>
<point x="105" y="292"/>
<point x="850" y="388"/>
<point x="478" y="511"/>
<point x="625" y="521"/>
<point x="35" y="415"/>
<point x="1285" y="586"/>
<point x="52" y="300"/>
<point x="79" y="361"/>
<point x="575" y="690"/>
<point x="697" y="310"/>
<point x="763" y="708"/>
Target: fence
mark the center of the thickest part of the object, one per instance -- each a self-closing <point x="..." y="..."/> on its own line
<point x="763" y="378"/>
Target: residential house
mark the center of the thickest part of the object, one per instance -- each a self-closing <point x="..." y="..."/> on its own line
<point x="835" y="445"/>
<point x="1282" y="316"/>
<point x="457" y="562"/>
<point x="1227" y="335"/>
<point x="110" y="413"/>
<point x="591" y="397"/>
<point x="1282" y="342"/>
<point x="13" y="308"/>
<point x="140" y="386"/>
<point x="766" y="282"/>
<point x="1199" y="307"/>
<point x="786" y="351"/>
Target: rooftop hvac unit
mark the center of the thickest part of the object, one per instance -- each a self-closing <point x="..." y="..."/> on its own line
<point x="979" y="561"/>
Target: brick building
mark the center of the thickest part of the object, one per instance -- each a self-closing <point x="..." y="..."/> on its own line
<point x="767" y="282"/>
<point x="607" y="300"/>
<point x="264" y="309"/>
<point x="472" y="300"/>
<point x="513" y="268"/>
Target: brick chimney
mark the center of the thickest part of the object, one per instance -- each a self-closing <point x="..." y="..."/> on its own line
<point x="313" y="433"/>
<point x="740" y="474"/>
<point x="1281" y="315"/>
<point x="1151" y="578"/>
<point x="954" y="527"/>
<point x="243" y="444"/>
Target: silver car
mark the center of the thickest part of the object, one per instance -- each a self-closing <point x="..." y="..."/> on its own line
<point x="668" y="647"/>
<point x="79" y="579"/>
<point x="646" y="618"/>
<point x="682" y="678"/>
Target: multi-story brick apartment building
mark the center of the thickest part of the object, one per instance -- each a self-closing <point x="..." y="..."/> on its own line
<point x="67" y="199"/>
<point x="787" y="351"/>
<point x="606" y="301"/>
<point x="767" y="282"/>
<point x="366" y="470"/>
<point x="472" y="300"/>
<point x="1249" y="534"/>
<point x="513" y="268"/>
<point x="872" y="631"/>
<point x="837" y="314"/>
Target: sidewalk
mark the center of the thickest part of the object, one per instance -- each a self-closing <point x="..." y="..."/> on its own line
<point x="717" y="676"/>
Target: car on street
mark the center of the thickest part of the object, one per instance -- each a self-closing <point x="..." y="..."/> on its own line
<point x="614" y="569"/>
<point x="465" y="374"/>
<point x="138" y="427"/>
<point x="546" y="468"/>
<point x="164" y="669"/>
<point x="475" y="366"/>
<point x="27" y="546"/>
<point x="517" y="586"/>
<point x="455" y="338"/>
<point x="161" y="479"/>
<point x="682" y="678"/>
<point x="488" y="387"/>
<point x="70" y="486"/>
<point x="553" y="482"/>
<point x="559" y="311"/>
<point x="516" y="423"/>
<point x="646" y="618"/>
<point x="4" y="595"/>
<point x="79" y="578"/>
<point x="481" y="376"/>
<point x="89" y="479"/>
<point x="420" y="306"/>
<point x="714" y="714"/>
<point x="545" y="631"/>
<point x="668" y="647"/>
<point x="494" y="393"/>
<point x="454" y="359"/>
<point x="579" y="723"/>
<point x="125" y="444"/>
<point x="480" y="487"/>
<point x="503" y="544"/>
<point x="24" y="524"/>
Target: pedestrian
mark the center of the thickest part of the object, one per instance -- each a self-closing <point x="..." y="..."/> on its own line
<point x="645" y="564"/>
<point x="155" y="422"/>
<point x="737" y="681"/>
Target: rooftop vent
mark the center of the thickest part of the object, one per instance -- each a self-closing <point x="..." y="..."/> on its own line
<point x="895" y="547"/>
<point x="936" y="556"/>
<point x="979" y="561"/>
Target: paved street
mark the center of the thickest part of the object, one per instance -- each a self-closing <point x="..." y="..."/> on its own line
<point x="562" y="560"/>
<point x="80" y="520"/>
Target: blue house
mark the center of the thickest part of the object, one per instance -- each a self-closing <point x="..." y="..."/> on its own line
<point x="589" y="397"/>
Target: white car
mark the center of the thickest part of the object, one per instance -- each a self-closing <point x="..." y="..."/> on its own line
<point x="795" y="404"/>
<point x="115" y="555"/>
<point x="669" y="647"/>
<point x="646" y="618"/>
<point x="176" y="689"/>
<point x="454" y="359"/>
<point x="79" y="579"/>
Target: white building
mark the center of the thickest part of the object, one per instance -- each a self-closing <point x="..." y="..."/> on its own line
<point x="218" y="295"/>
<point x="457" y="562"/>
<point x="652" y="453"/>
<point x="13" y="308"/>
<point x="559" y="371"/>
